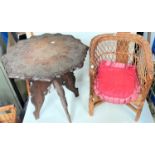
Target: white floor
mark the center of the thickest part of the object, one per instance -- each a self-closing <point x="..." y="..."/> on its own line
<point x="53" y="112"/>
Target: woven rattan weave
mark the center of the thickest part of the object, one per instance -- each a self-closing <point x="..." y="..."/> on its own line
<point x="125" y="48"/>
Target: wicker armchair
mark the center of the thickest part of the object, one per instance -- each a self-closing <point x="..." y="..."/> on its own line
<point x="123" y="48"/>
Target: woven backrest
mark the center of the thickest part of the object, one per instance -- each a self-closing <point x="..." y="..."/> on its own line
<point x="125" y="48"/>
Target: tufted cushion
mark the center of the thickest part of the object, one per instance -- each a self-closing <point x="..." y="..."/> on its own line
<point x="116" y="82"/>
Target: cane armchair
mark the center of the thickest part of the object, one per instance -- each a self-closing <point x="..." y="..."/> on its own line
<point x="125" y="49"/>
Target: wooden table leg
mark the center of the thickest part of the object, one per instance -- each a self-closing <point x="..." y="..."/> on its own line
<point x="38" y="92"/>
<point x="28" y="88"/>
<point x="61" y="94"/>
<point x="69" y="81"/>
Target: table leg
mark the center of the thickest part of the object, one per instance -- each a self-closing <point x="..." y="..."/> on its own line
<point x="61" y="94"/>
<point x="69" y="82"/>
<point x="38" y="91"/>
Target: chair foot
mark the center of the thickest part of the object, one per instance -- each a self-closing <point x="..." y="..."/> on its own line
<point x="91" y="108"/>
<point x="92" y="102"/>
<point x="138" y="115"/>
<point x="139" y="111"/>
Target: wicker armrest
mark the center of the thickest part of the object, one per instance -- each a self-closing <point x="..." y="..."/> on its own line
<point x="92" y="69"/>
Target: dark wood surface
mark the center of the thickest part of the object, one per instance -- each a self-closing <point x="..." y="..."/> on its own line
<point x="44" y="57"/>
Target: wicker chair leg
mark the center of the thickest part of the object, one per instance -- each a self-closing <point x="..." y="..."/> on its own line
<point x="91" y="107"/>
<point x="93" y="101"/>
<point x="138" y="113"/>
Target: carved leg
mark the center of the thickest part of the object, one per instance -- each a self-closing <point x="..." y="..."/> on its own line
<point x="69" y="82"/>
<point x="38" y="92"/>
<point x="61" y="94"/>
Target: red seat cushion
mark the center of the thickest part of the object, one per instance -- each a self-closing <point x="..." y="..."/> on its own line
<point x="116" y="82"/>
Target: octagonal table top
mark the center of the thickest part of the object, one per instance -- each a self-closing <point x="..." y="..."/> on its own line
<point x="44" y="57"/>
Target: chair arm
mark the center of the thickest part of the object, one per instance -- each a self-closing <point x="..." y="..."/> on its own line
<point x="92" y="70"/>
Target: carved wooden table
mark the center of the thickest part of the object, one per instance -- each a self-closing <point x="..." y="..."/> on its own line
<point x="45" y="60"/>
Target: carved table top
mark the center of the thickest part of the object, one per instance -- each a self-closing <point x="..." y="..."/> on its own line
<point x="44" y="57"/>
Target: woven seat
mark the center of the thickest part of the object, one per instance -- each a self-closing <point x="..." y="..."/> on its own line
<point x="121" y="70"/>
